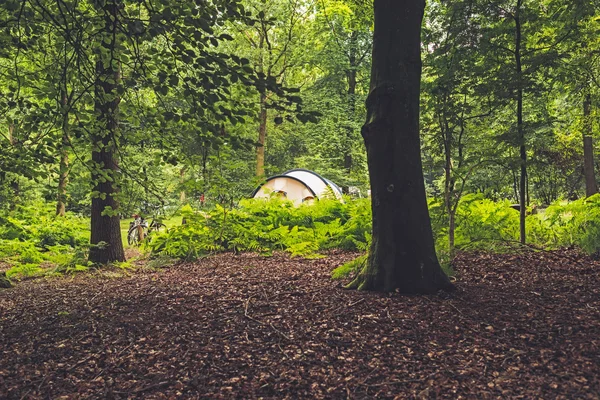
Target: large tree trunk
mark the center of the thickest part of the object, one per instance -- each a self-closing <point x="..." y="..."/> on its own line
<point x="591" y="186"/>
<point x="402" y="255"/>
<point x="106" y="231"/>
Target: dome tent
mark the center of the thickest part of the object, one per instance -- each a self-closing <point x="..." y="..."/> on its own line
<point x="298" y="185"/>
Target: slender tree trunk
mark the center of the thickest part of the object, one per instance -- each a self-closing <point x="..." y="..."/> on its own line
<point x="591" y="186"/>
<point x="63" y="178"/>
<point x="451" y="232"/>
<point x="520" y="131"/>
<point x="14" y="184"/>
<point x="449" y="188"/>
<point x="181" y="181"/>
<point x="351" y="76"/>
<point x="105" y="227"/>
<point x="262" y="136"/>
<point x="262" y="118"/>
<point x="447" y="135"/>
<point x="402" y="255"/>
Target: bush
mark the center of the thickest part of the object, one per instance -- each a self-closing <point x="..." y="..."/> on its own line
<point x="483" y="224"/>
<point x="33" y="235"/>
<point x="267" y="225"/>
<point x="38" y="223"/>
<point x="576" y="223"/>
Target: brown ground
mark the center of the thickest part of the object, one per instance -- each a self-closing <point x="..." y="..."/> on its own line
<point x="525" y="326"/>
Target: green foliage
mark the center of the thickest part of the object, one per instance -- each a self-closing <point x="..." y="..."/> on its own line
<point x="37" y="222"/>
<point x="276" y="225"/>
<point x="576" y="223"/>
<point x="160" y="262"/>
<point x="34" y="241"/>
<point x="482" y="224"/>
<point x="266" y="226"/>
<point x="21" y="271"/>
<point x="351" y="268"/>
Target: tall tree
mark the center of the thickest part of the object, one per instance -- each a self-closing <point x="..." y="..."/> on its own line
<point x="346" y="53"/>
<point x="454" y="106"/>
<point x="402" y="255"/>
<point x="107" y="245"/>
<point x="591" y="186"/>
<point x="276" y="45"/>
<point x="521" y="41"/>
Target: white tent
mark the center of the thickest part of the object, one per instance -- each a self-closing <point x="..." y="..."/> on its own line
<point x="298" y="185"/>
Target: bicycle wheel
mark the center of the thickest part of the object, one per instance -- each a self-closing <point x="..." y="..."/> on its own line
<point x="132" y="236"/>
<point x="158" y="227"/>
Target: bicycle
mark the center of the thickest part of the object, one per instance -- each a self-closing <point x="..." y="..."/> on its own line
<point x="139" y="229"/>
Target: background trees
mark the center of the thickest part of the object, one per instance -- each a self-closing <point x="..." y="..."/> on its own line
<point x="135" y="106"/>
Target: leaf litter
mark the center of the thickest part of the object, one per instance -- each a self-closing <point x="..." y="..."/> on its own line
<point x="244" y="326"/>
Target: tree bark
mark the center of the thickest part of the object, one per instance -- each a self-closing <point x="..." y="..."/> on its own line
<point x="351" y="76"/>
<point x="4" y="282"/>
<point x="14" y="184"/>
<point x="449" y="186"/>
<point x="520" y="130"/>
<point x="106" y="242"/>
<point x="402" y="255"/>
<point x="262" y="118"/>
<point x="262" y="136"/>
<point x="182" y="196"/>
<point x="591" y="186"/>
<point x="63" y="178"/>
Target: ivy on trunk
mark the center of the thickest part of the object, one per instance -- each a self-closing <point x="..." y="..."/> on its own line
<point x="106" y="242"/>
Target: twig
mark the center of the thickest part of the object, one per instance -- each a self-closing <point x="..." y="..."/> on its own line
<point x="246" y="306"/>
<point x="400" y="382"/>
<point x="278" y="331"/>
<point x="262" y="323"/>
<point x="80" y="362"/>
<point x="282" y="352"/>
<point x="116" y="356"/>
<point x="349" y="305"/>
<point x="456" y="308"/>
<point x="155" y="386"/>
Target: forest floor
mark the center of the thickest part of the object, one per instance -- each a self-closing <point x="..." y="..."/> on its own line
<point x="518" y="326"/>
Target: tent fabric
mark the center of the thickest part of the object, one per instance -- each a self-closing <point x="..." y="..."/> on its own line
<point x="298" y="185"/>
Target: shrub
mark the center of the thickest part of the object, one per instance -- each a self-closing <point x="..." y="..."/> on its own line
<point x="37" y="222"/>
<point x="267" y="225"/>
<point x="576" y="223"/>
<point x="482" y="223"/>
<point x="33" y="235"/>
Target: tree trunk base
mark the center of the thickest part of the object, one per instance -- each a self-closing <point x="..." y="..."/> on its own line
<point x="367" y="280"/>
<point x="4" y="282"/>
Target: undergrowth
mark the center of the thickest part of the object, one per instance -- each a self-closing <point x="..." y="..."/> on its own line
<point x="34" y="242"/>
<point x="482" y="224"/>
<point x="266" y="226"/>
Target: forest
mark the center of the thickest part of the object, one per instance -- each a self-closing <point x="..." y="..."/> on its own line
<point x="299" y="199"/>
